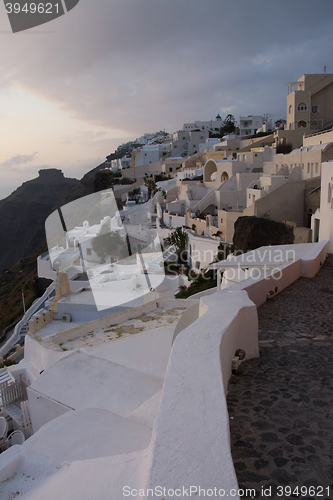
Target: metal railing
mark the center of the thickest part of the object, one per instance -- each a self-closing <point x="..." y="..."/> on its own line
<point x="38" y="304"/>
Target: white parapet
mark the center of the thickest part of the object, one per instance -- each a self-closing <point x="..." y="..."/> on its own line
<point x="189" y="445"/>
<point x="191" y="435"/>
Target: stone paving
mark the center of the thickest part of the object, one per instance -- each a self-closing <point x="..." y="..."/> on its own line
<point x="281" y="404"/>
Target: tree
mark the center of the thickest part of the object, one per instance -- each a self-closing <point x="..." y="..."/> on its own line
<point x="126" y="180"/>
<point x="151" y="185"/>
<point x="109" y="244"/>
<point x="280" y="123"/>
<point x="134" y="194"/>
<point x="103" y="180"/>
<point x="179" y="239"/>
<point x="228" y="124"/>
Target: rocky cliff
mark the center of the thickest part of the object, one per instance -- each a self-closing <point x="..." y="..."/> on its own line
<point x="254" y="232"/>
<point x="23" y="214"/>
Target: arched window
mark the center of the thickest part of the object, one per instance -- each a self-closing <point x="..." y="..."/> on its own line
<point x="302" y="106"/>
<point x="290" y="108"/>
<point x="301" y="124"/>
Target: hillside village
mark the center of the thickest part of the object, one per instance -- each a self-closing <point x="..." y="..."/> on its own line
<point x="114" y="377"/>
<point x="273" y="174"/>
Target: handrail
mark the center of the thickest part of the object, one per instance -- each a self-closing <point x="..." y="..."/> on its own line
<point x="318" y="133"/>
<point x="32" y="309"/>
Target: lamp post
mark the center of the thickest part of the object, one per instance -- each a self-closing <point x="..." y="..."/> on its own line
<point x="23" y="302"/>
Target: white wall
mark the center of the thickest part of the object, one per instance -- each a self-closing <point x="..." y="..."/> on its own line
<point x="43" y="409"/>
<point x="325" y="214"/>
<point x="202" y="458"/>
<point x="174" y="220"/>
<point x="306" y="262"/>
<point x="201" y="250"/>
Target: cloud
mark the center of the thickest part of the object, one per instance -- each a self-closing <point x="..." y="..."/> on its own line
<point x="85" y="138"/>
<point x="17" y="160"/>
<point x="145" y="66"/>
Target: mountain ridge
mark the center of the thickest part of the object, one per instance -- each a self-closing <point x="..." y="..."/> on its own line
<point x="23" y="213"/>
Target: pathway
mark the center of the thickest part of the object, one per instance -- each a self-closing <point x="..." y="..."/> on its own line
<point x="281" y="404"/>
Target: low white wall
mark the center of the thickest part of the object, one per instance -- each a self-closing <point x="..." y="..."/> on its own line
<point x="37" y="357"/>
<point x="313" y="261"/>
<point x="258" y="289"/>
<point x="174" y="220"/>
<point x="285" y="275"/>
<point x="188" y="317"/>
<point x="191" y="444"/>
<point x="43" y="409"/>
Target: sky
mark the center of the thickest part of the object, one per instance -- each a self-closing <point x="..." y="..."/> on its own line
<point x="109" y="71"/>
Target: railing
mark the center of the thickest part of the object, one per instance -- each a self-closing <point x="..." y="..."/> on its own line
<point x="319" y="133"/>
<point x="35" y="307"/>
<point x="11" y="392"/>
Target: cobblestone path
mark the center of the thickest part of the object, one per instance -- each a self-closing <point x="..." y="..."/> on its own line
<point x="281" y="404"/>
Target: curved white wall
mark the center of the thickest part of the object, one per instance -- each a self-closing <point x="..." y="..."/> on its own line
<point x="191" y="434"/>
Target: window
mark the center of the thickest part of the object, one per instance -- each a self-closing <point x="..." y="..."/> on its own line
<point x="194" y="145"/>
<point x="317" y="168"/>
<point x="88" y="251"/>
<point x="249" y="196"/>
<point x="302" y="124"/>
<point x="290" y="108"/>
<point x="315" y="109"/>
<point x="183" y="138"/>
<point x="302" y="106"/>
<point x="303" y="166"/>
<point x="201" y="137"/>
<point x="308" y="171"/>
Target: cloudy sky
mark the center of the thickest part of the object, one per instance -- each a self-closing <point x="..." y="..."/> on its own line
<point x="110" y="70"/>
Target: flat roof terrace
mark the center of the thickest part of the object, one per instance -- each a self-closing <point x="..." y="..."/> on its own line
<point x="157" y="318"/>
<point x="281" y="404"/>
